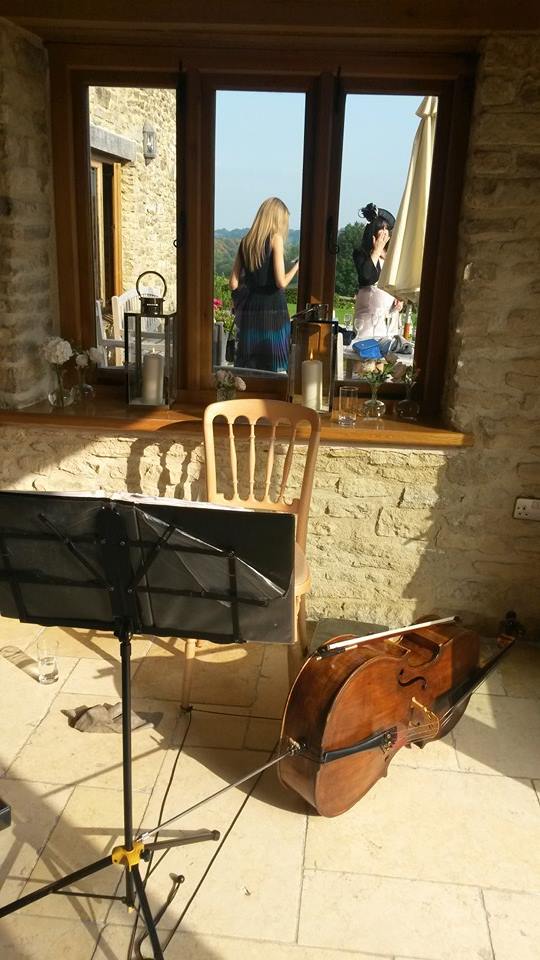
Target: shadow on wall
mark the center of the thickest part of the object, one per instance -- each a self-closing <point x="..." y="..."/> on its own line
<point x="47" y="460"/>
<point x="479" y="562"/>
<point x="396" y="535"/>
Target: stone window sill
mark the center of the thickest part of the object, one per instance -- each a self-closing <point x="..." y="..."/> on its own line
<point x="110" y="415"/>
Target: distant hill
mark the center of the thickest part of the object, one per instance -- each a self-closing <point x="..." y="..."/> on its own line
<point x="238" y="232"/>
<point x="226" y="244"/>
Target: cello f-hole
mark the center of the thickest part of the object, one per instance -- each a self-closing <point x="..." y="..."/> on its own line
<point x="408" y="683"/>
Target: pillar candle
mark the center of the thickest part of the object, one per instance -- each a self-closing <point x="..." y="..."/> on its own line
<point x="312" y="384"/>
<point x="152" y="378"/>
<point x="339" y="357"/>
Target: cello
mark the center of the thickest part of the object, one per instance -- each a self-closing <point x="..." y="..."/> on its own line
<point x="357" y="700"/>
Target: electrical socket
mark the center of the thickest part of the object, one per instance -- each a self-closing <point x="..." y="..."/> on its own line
<point x="527" y="508"/>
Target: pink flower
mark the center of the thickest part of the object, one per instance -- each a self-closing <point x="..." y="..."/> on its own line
<point x="217" y="303"/>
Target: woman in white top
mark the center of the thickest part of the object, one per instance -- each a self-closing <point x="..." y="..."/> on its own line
<point x="376" y="312"/>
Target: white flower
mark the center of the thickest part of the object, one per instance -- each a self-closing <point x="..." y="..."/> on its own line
<point x="220" y="376"/>
<point x="239" y="383"/>
<point x="57" y="351"/>
<point x="81" y="359"/>
<point x="96" y="354"/>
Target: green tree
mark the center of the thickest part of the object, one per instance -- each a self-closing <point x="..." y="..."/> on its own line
<point x="349" y="237"/>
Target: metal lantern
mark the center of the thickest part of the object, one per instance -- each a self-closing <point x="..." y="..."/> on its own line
<point x="312" y="357"/>
<point x="150" y="345"/>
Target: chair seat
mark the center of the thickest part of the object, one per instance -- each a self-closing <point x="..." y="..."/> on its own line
<point x="302" y="576"/>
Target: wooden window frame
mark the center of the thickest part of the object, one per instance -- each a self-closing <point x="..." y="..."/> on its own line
<point x="324" y="75"/>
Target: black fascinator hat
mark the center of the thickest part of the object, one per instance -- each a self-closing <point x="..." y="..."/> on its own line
<point x="377" y="218"/>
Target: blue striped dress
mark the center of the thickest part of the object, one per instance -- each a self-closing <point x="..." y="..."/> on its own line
<point x="262" y="321"/>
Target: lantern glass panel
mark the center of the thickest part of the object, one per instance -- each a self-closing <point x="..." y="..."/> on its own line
<point x="150" y="359"/>
<point x="312" y="340"/>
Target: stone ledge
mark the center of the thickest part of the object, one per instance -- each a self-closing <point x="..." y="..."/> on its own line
<point x="108" y="415"/>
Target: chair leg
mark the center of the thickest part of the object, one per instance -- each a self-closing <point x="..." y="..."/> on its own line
<point x="295" y="653"/>
<point x="302" y="631"/>
<point x="189" y="661"/>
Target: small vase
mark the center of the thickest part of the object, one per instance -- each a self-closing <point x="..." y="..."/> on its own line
<point x="85" y="391"/>
<point x="61" y="396"/>
<point x="226" y="393"/>
<point x="407" y="409"/>
<point x="373" y="408"/>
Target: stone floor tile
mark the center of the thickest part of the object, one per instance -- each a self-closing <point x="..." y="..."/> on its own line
<point x="114" y="942"/>
<point x="13" y="633"/>
<point x="220" y="674"/>
<point x="90" y="826"/>
<point x="25" y="937"/>
<point x="495" y="736"/>
<point x="273" y="686"/>
<point x="98" y="678"/>
<point x="253" y="889"/>
<point x="520" y="671"/>
<point x="438" y="825"/>
<point x="58" y="753"/>
<point x="98" y="644"/>
<point x="213" y="729"/>
<point x="24" y="701"/>
<point x="183" y="782"/>
<point x="380" y="915"/>
<point x="262" y="734"/>
<point x="35" y="809"/>
<point x="514" y="921"/>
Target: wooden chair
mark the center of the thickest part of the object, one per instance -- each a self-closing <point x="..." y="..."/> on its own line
<point x="110" y="347"/>
<point x="279" y="426"/>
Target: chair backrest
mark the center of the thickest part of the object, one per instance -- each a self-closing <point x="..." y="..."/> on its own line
<point x="270" y="424"/>
<point x="101" y="334"/>
<point x="119" y="305"/>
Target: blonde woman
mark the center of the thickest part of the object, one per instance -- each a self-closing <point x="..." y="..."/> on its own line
<point x="262" y="318"/>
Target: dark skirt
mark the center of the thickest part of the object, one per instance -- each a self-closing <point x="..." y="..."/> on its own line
<point x="264" y="331"/>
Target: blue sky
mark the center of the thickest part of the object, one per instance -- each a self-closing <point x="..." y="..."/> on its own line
<point x="259" y="152"/>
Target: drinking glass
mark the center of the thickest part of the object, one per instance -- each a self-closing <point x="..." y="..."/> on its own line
<point x="348" y="406"/>
<point x="47" y="650"/>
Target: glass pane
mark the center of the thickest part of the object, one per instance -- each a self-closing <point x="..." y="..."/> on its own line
<point x="133" y="177"/>
<point x="259" y="157"/>
<point x="386" y="170"/>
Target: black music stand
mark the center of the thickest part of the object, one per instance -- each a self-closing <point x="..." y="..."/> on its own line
<point x="134" y="565"/>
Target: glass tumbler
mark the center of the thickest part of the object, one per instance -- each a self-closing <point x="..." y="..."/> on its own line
<point x="348" y="406"/>
<point x="47" y="651"/>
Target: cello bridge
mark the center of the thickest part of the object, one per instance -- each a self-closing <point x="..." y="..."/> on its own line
<point x="427" y="725"/>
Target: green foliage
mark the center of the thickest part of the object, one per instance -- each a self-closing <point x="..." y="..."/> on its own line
<point x="349" y="237"/>
<point x="225" y="248"/>
<point x="222" y="290"/>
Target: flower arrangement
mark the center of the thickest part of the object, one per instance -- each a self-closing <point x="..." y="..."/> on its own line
<point x="227" y="384"/>
<point x="380" y="373"/>
<point x="410" y="377"/>
<point x="57" y="352"/>
<point x="223" y="315"/>
<point x="83" y="360"/>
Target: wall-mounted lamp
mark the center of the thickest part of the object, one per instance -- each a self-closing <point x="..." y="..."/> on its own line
<point x="149" y="141"/>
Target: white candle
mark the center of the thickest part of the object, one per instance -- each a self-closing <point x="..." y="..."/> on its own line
<point x="312" y="384"/>
<point x="152" y="378"/>
<point x="339" y="357"/>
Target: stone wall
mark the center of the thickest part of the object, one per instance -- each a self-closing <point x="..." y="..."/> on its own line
<point x="28" y="294"/>
<point x="397" y="534"/>
<point x="148" y="187"/>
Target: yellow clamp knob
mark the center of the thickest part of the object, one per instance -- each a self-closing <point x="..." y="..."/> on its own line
<point x="128" y="858"/>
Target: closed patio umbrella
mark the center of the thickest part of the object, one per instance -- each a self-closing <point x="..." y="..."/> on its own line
<point x="402" y="267"/>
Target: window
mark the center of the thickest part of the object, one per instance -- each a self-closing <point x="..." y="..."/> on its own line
<point x="380" y="169"/>
<point x="255" y="160"/>
<point x="325" y="87"/>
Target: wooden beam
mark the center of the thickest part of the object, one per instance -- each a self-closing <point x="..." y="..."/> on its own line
<point x="460" y="17"/>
